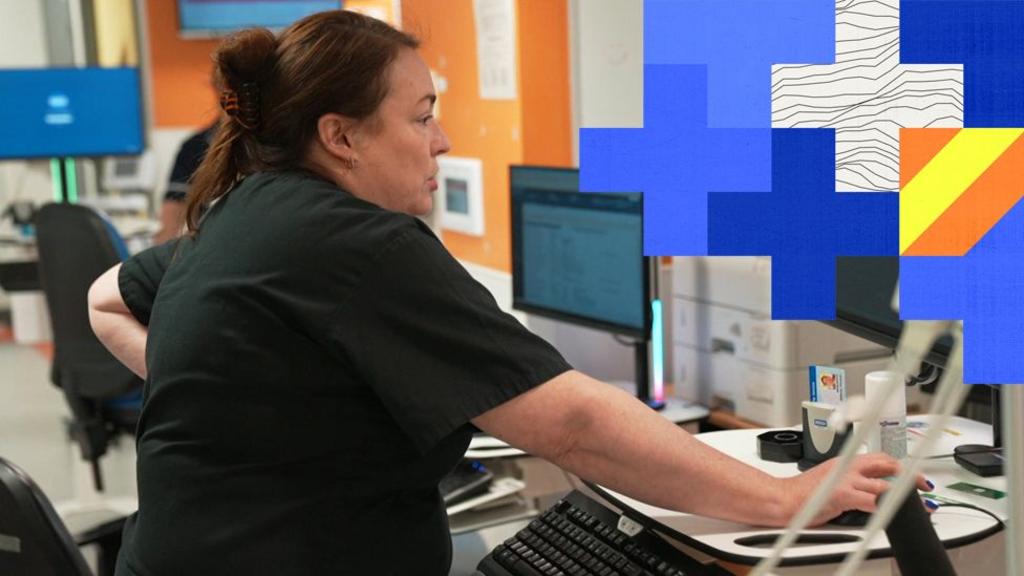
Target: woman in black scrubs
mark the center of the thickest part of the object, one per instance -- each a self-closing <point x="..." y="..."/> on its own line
<point x="314" y="356"/>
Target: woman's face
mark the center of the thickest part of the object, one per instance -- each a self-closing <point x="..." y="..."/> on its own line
<point x="396" y="151"/>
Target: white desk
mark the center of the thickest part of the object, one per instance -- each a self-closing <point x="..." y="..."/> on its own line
<point x="16" y="248"/>
<point x="955" y="526"/>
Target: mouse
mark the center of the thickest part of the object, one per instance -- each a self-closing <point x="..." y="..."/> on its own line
<point x="857" y="518"/>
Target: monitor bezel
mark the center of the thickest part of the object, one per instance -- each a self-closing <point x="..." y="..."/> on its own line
<point x="642" y="333"/>
<point x="98" y="152"/>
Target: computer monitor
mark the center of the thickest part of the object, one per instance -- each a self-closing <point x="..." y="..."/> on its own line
<point x="212" y="18"/>
<point x="864" y="303"/>
<point x="578" y="257"/>
<point x="70" y="112"/>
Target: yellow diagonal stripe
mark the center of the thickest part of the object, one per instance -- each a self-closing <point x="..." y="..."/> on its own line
<point x="947" y="176"/>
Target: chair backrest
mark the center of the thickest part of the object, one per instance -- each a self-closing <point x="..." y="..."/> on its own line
<point x="76" y="244"/>
<point x="33" y="539"/>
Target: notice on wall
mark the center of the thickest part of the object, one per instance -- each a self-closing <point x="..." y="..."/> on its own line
<point x="496" y="48"/>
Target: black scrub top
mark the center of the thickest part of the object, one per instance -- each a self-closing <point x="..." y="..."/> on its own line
<point x="314" y="361"/>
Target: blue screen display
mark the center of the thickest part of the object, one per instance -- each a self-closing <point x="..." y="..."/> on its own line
<point x="70" y="112"/>
<point x="577" y="256"/>
<point x="227" y="15"/>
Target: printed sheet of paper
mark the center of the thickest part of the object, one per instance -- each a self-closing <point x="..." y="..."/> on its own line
<point x="496" y="48"/>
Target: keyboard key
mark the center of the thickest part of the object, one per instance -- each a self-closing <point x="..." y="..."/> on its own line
<point x="632" y="570"/>
<point x="580" y="540"/>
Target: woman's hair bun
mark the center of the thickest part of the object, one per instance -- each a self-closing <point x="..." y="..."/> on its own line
<point x="245" y="57"/>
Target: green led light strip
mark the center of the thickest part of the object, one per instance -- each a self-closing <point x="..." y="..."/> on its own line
<point x="55" y="179"/>
<point x="72" y="176"/>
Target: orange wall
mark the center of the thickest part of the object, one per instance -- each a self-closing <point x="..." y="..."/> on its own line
<point x="182" y="95"/>
<point x="544" y="81"/>
<point x="485" y="129"/>
<point x="534" y="128"/>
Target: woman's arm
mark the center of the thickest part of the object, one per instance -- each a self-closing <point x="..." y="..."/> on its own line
<point x="114" y="324"/>
<point x="604" y="435"/>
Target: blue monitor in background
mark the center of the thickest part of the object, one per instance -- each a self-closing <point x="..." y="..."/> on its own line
<point x="578" y="257"/>
<point x="71" y="112"/>
<point x="206" y="18"/>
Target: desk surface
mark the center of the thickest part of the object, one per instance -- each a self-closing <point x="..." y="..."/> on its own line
<point x="955" y="526"/>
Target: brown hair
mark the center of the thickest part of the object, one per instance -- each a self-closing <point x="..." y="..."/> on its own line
<point x="274" y="89"/>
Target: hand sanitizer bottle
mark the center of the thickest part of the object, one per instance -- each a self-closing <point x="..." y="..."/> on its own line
<point x="891" y="433"/>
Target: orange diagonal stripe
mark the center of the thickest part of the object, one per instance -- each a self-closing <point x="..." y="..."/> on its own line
<point x="917" y="148"/>
<point x="977" y="210"/>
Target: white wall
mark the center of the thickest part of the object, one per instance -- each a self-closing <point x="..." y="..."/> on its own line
<point x="609" y="43"/>
<point x="22" y="42"/>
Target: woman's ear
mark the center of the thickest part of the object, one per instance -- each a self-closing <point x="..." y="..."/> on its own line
<point x="337" y="135"/>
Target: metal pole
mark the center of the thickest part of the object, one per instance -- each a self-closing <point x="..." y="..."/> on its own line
<point x="1013" y="452"/>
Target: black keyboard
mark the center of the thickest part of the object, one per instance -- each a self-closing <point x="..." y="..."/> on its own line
<point x="579" y="537"/>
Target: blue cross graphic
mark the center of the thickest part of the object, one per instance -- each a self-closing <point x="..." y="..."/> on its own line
<point x="739" y="40"/>
<point x="986" y="36"/>
<point x="674" y="160"/>
<point x="803" y="224"/>
<point x="707" y="80"/>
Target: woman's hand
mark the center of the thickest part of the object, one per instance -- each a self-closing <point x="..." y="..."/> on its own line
<point x="858" y="489"/>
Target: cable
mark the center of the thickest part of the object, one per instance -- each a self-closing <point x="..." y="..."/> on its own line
<point x="624" y="341"/>
<point x="928" y="375"/>
<point x="999" y="521"/>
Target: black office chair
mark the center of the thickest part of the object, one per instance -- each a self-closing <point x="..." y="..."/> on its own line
<point x="76" y="244"/>
<point x="33" y="539"/>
